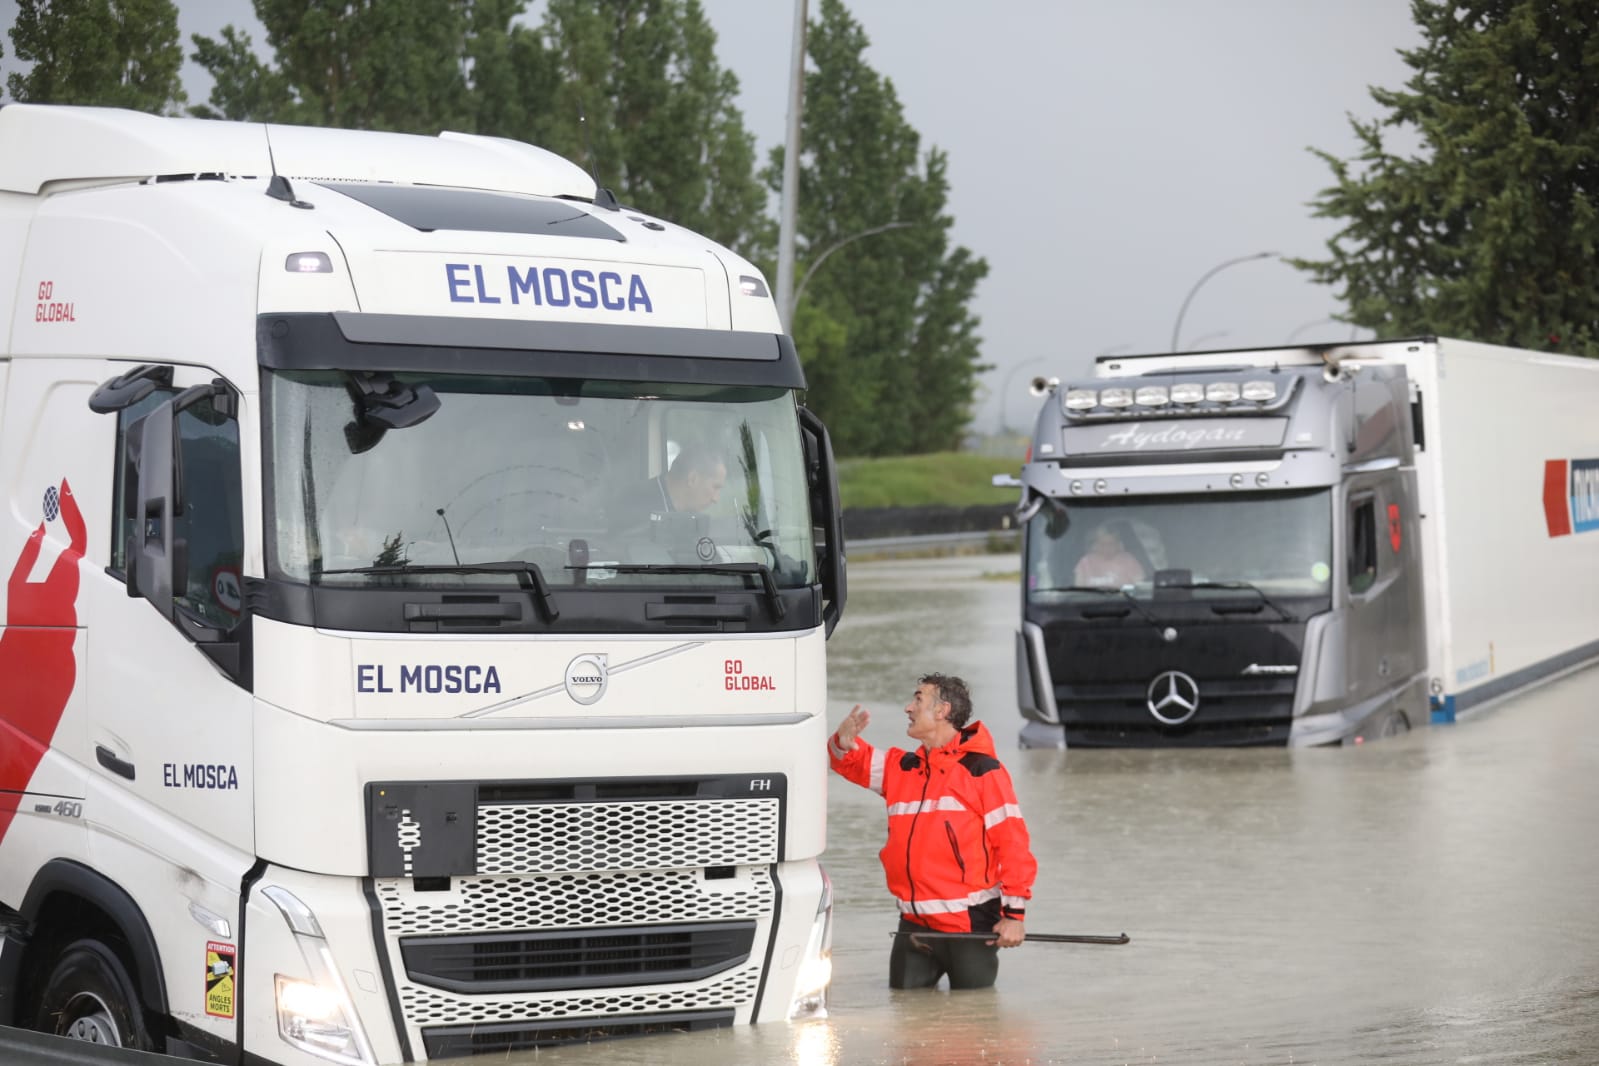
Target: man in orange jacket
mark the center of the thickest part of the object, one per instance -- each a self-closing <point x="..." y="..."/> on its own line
<point x="957" y="857"/>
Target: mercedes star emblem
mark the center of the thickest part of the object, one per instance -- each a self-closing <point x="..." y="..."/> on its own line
<point x="1173" y="697"/>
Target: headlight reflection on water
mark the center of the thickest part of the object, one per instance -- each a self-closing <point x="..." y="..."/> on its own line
<point x="814" y="1044"/>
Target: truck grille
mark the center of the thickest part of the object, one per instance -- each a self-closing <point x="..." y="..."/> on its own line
<point x="592" y="958"/>
<point x="617" y="835"/>
<point x="612" y="916"/>
<point x="1231" y="712"/>
<point x="568" y="901"/>
<point x="585" y="904"/>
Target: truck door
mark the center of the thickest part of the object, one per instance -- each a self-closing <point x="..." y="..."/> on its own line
<point x="1381" y="585"/>
<point x="171" y="728"/>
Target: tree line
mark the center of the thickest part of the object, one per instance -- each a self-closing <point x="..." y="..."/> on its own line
<point x="1486" y="232"/>
<point x="632" y="89"/>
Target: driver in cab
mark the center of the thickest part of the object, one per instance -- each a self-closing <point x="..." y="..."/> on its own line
<point x="691" y="486"/>
<point x="1107" y="563"/>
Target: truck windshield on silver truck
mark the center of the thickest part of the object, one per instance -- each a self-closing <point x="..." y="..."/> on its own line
<point x="1292" y="546"/>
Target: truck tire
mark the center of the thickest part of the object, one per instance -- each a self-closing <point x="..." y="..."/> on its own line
<point x="1396" y="725"/>
<point x="89" y="996"/>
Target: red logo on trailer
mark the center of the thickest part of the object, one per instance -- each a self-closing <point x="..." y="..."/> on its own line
<point x="1571" y="496"/>
<point x="37" y="667"/>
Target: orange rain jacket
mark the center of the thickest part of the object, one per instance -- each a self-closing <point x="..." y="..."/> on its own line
<point x="957" y="857"/>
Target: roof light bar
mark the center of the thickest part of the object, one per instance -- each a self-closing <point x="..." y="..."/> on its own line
<point x="1188" y="392"/>
<point x="1080" y="399"/>
<point x="1222" y="392"/>
<point x="1152" y="396"/>
<point x="1260" y="391"/>
<point x="1116" y="397"/>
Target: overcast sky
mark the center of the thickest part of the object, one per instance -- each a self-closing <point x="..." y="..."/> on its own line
<point x="1103" y="156"/>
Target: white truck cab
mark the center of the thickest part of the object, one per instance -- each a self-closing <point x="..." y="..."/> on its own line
<point x="420" y="573"/>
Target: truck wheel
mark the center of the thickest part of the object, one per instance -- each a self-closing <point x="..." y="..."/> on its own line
<point x="89" y="996"/>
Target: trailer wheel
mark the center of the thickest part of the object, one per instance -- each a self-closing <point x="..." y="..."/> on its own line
<point x="1396" y="725"/>
<point x="89" y="996"/>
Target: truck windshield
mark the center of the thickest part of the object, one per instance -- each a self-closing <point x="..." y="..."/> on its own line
<point x="568" y="475"/>
<point x="1280" y="543"/>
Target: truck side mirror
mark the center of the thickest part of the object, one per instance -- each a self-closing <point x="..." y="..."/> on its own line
<point x="157" y="558"/>
<point x="823" y="474"/>
<point x="151" y="561"/>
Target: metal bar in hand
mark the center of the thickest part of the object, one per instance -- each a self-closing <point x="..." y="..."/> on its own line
<point x="1042" y="938"/>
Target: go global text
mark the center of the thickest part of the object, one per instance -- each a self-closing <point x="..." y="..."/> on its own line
<point x="736" y="680"/>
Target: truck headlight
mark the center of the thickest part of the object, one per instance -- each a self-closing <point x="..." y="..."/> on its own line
<point x="816" y="964"/>
<point x="315" y="1014"/>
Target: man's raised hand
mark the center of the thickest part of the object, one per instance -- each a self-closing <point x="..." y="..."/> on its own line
<point x="852" y="725"/>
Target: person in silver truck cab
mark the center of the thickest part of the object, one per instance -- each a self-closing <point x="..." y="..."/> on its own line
<point x="1108" y="563"/>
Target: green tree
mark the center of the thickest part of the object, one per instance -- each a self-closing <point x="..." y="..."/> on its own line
<point x="1490" y="231"/>
<point x="631" y="88"/>
<point x="641" y="98"/>
<point x="245" y="89"/>
<point x="883" y="321"/>
<point x="109" y="53"/>
<point x="369" y="64"/>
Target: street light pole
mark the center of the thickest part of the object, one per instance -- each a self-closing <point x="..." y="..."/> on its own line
<point x="791" y="154"/>
<point x="1212" y="272"/>
<point x="829" y="250"/>
<point x="1319" y="322"/>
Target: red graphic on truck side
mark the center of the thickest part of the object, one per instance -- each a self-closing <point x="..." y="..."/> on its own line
<point x="37" y="667"/>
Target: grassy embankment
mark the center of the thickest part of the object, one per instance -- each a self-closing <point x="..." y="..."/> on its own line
<point x="943" y="479"/>
<point x="947" y="479"/>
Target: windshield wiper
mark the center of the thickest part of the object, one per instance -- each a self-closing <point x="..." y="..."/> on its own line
<point x="528" y="575"/>
<point x="774" y="599"/>
<point x="1235" y="586"/>
<point x="1105" y="590"/>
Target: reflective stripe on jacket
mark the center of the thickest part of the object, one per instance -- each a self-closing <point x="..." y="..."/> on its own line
<point x="958" y="856"/>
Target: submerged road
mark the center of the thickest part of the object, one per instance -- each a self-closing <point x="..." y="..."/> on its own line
<point x="1428" y="898"/>
<point x="1425" y="899"/>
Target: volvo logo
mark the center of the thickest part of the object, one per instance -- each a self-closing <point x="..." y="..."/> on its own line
<point x="1173" y="697"/>
<point x="586" y="676"/>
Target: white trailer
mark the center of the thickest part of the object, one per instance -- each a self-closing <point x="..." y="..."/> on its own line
<point x="415" y="629"/>
<point x="1507" y="480"/>
<point x="1305" y="545"/>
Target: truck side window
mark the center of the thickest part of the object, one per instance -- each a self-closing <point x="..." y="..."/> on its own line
<point x="213" y="516"/>
<point x="126" y="478"/>
<point x="1362" y="544"/>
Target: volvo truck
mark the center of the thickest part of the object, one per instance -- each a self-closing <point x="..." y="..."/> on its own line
<point x="371" y="689"/>
<point x="1305" y="546"/>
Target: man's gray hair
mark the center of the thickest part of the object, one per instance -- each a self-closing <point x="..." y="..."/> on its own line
<point x="697" y="459"/>
<point x="953" y="691"/>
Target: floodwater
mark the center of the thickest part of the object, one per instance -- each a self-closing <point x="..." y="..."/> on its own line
<point x="1433" y="898"/>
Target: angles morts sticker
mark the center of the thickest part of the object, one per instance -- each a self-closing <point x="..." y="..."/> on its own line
<point x="219" y="978"/>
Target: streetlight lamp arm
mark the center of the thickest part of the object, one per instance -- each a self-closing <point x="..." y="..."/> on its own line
<point x="1212" y="272"/>
<point x="851" y="239"/>
<point x="1004" y="392"/>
